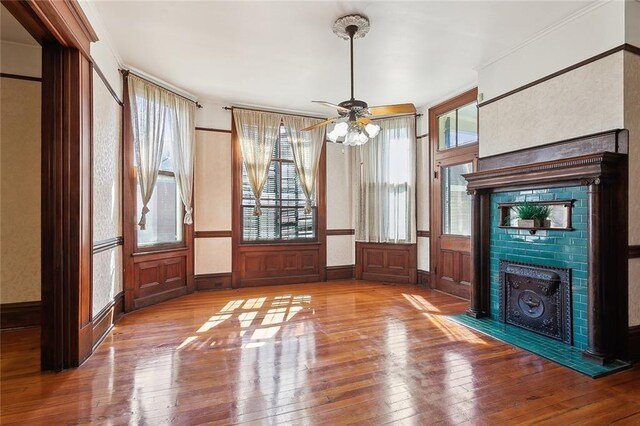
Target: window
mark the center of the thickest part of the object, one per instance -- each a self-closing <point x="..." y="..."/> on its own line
<point x="458" y="127"/>
<point x="164" y="219"/>
<point x="283" y="201"/>
<point x="456" y="203"/>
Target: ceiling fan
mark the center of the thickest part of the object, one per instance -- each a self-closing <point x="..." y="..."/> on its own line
<point x="354" y="125"/>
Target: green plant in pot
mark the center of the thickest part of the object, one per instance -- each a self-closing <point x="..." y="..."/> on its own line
<point x="532" y="215"/>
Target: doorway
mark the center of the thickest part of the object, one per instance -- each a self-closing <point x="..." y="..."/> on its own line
<point x="453" y="129"/>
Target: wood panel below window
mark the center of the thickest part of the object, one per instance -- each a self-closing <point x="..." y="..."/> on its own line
<point x="159" y="278"/>
<point x="269" y="264"/>
<point x="387" y="262"/>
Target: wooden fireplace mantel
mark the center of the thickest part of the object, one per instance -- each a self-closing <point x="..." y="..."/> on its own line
<point x="598" y="162"/>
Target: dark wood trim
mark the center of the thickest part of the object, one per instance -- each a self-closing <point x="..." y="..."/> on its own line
<point x="211" y="129"/>
<point x="20" y="315"/>
<point x="98" y="71"/>
<point x="634" y="252"/>
<point x="334" y="232"/>
<point x="623" y="47"/>
<point x="633" y="343"/>
<point x="21" y="77"/>
<point x="217" y="281"/>
<point x="212" y="234"/>
<point x="615" y="141"/>
<point x="104" y="245"/>
<point x="342" y="272"/>
<point x="276" y="112"/>
<point x="424" y="278"/>
<point x="104" y="321"/>
<point x="426" y="234"/>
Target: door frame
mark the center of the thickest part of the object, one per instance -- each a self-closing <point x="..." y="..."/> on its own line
<point x="65" y="35"/>
<point x="454" y="156"/>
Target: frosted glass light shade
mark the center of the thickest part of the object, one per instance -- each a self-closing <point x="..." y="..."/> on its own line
<point x="372" y="130"/>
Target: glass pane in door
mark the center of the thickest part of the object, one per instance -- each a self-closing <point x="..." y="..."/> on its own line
<point x="456" y="203"/>
<point x="447" y="130"/>
<point x="468" y="124"/>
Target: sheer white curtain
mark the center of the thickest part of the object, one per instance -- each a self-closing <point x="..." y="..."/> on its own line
<point x="149" y="106"/>
<point x="184" y="143"/>
<point x="306" y="148"/>
<point x="258" y="133"/>
<point x="384" y="185"/>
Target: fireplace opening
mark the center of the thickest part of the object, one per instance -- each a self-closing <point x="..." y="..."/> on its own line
<point x="536" y="298"/>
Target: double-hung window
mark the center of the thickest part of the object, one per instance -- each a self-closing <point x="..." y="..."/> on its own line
<point x="282" y="202"/>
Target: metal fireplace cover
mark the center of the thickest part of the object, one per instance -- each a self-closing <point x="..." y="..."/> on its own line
<point x="537" y="298"/>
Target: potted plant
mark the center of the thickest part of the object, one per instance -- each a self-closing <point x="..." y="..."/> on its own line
<point x="531" y="215"/>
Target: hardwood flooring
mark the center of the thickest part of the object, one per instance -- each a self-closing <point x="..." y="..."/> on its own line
<point x="328" y="353"/>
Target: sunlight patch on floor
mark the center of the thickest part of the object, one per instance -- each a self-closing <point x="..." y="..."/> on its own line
<point x="453" y="331"/>
<point x="420" y="303"/>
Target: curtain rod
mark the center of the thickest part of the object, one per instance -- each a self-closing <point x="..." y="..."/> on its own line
<point x="226" y="108"/>
<point x="127" y="72"/>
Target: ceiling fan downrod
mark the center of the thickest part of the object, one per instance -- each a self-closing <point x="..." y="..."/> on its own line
<point x="351" y="30"/>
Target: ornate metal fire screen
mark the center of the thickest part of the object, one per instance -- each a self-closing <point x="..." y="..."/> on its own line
<point x="536" y="298"/>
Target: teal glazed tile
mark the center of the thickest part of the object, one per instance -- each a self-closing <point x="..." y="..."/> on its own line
<point x="560" y="353"/>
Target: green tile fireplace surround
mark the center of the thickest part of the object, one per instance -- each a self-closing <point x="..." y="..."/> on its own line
<point x="586" y="256"/>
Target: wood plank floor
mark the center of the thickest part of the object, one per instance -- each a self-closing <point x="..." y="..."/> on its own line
<point x="328" y="353"/>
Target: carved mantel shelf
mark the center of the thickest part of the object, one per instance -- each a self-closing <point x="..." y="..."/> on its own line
<point x="597" y="161"/>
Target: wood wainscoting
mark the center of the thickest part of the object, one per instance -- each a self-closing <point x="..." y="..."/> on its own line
<point x="424" y="278"/>
<point x="387" y="262"/>
<point x="104" y="321"/>
<point x="217" y="281"/>
<point x="158" y="277"/>
<point x="271" y="264"/>
<point x="342" y="272"/>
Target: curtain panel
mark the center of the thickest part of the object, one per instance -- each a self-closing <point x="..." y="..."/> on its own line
<point x="184" y="143"/>
<point x="384" y="184"/>
<point x="149" y="106"/>
<point x="158" y="115"/>
<point x="258" y="133"/>
<point x="306" y="148"/>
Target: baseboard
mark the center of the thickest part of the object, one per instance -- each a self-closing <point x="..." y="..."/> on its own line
<point x="104" y="321"/>
<point x="19" y="315"/>
<point x="342" y="272"/>
<point x="633" y="343"/>
<point x="212" y="281"/>
<point x="387" y="278"/>
<point x="424" y="278"/>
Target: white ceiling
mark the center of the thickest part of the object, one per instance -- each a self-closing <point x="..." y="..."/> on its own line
<point x="284" y="54"/>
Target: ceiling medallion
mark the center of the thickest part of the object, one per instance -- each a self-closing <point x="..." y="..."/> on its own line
<point x="359" y="21"/>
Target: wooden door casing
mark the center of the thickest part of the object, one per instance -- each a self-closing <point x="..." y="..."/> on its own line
<point x="450" y="254"/>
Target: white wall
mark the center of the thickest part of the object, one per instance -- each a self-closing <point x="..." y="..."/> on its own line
<point x="584" y="101"/>
<point x="595" y="30"/>
<point x="107" y="194"/>
<point x="340" y="248"/>
<point x="423" y="187"/>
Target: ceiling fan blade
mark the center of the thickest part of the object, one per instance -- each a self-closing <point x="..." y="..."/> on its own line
<point x="330" y="105"/>
<point x="393" y="109"/>
<point x="364" y="120"/>
<point x="322" y="123"/>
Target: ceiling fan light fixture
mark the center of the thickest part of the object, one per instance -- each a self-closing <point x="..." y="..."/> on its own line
<point x="372" y="130"/>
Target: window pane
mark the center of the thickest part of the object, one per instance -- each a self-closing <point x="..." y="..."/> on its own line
<point x="468" y="124"/>
<point x="456" y="203"/>
<point x="281" y="190"/>
<point x="447" y="130"/>
<point x="164" y="219"/>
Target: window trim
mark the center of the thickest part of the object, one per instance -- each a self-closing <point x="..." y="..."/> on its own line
<point x="244" y="242"/>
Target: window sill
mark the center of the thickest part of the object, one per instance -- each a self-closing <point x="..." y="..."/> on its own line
<point x="279" y="243"/>
<point x="151" y="251"/>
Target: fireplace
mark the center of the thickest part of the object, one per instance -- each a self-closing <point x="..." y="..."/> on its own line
<point x="536" y="298"/>
<point x="568" y="283"/>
